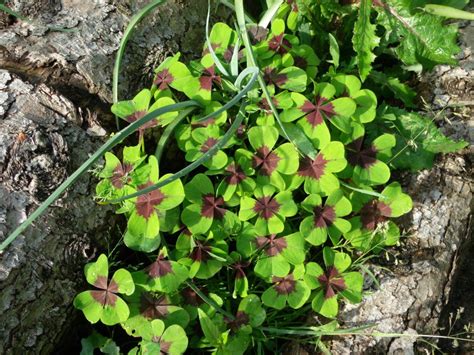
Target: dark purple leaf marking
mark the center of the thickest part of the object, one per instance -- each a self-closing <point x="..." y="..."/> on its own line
<point x="146" y="203"/>
<point x="191" y="297"/>
<point x="279" y="44"/>
<point x="257" y="34"/>
<point x="153" y="306"/>
<point x="163" y="79"/>
<point x="271" y="77"/>
<point x="240" y="133"/>
<point x="120" y="175"/>
<point x="212" y="207"/>
<point x="164" y="345"/>
<point x="138" y="115"/>
<point x="266" y="207"/>
<point x="294" y="6"/>
<point x="301" y="63"/>
<point x="324" y="216"/>
<point x="373" y="213"/>
<point x="229" y="52"/>
<point x="241" y="319"/>
<point x="357" y="155"/>
<point x="265" y="106"/>
<point x="315" y="111"/>
<point x="159" y="268"/>
<point x="204" y="123"/>
<point x="239" y="269"/>
<point x="265" y="160"/>
<point x="200" y="252"/>
<point x="234" y="174"/>
<point x="208" y="77"/>
<point x="208" y="144"/>
<point x="312" y="168"/>
<point x="107" y="296"/>
<point x="332" y="282"/>
<point x="271" y="244"/>
<point x="284" y="285"/>
<point x="214" y="47"/>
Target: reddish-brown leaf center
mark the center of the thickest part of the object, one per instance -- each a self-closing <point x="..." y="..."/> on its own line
<point x="312" y="168"/>
<point x="374" y="213"/>
<point x="324" y="216"/>
<point x="266" y="207"/>
<point x="120" y="175"/>
<point x="107" y="294"/>
<point x="357" y="155"/>
<point x="271" y="244"/>
<point x="212" y="207"/>
<point x="146" y="203"/>
<point x="265" y="160"/>
<point x="332" y="282"/>
<point x="163" y="78"/>
<point x="284" y="285"/>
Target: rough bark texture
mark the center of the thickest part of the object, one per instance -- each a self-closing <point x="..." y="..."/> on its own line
<point x="423" y="285"/>
<point x="53" y="85"/>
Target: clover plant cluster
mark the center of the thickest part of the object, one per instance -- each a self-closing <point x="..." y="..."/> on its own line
<point x="273" y="224"/>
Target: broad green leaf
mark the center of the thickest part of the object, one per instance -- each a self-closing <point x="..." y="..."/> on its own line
<point x="210" y="330"/>
<point x="364" y="39"/>
<point x="422" y="38"/>
<point x="99" y="268"/>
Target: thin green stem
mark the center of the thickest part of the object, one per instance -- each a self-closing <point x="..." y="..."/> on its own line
<point x="209" y="301"/>
<point x="112" y="142"/>
<point x="239" y="9"/>
<point x="123" y="43"/>
<point x="219" y="145"/>
<point x="169" y="130"/>
<point x="197" y="163"/>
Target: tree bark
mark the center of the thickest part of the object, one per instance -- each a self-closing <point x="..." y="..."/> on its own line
<point x="55" y="94"/>
<point x="420" y="284"/>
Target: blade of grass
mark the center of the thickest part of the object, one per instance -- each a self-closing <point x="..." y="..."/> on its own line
<point x="231" y="6"/>
<point x="123" y="43"/>
<point x="239" y="9"/>
<point x="269" y="14"/>
<point x="195" y="164"/>
<point x="209" y="44"/>
<point x="116" y="139"/>
<point x="209" y="301"/>
<point x="234" y="63"/>
<point x="362" y="191"/>
<point x="168" y="130"/>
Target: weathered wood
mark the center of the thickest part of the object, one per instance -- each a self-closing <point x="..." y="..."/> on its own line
<point x="54" y="87"/>
<point x="416" y="286"/>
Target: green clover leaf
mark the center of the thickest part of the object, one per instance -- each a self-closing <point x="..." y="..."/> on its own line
<point x="171" y="341"/>
<point x="269" y="208"/>
<point x="144" y="222"/>
<point x="313" y="114"/>
<point x="318" y="173"/>
<point x="203" y="256"/>
<point x="285" y="290"/>
<point x="203" y="139"/>
<point x="367" y="162"/>
<point x="372" y="229"/>
<point x="147" y="306"/>
<point x="276" y="254"/>
<point x="326" y="218"/>
<point x="103" y="303"/>
<point x="333" y="283"/>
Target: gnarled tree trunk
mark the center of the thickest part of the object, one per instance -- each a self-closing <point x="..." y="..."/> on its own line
<point x="55" y="92"/>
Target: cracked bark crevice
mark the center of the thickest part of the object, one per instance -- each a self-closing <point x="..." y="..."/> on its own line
<point x="55" y="93"/>
<point x="420" y="292"/>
